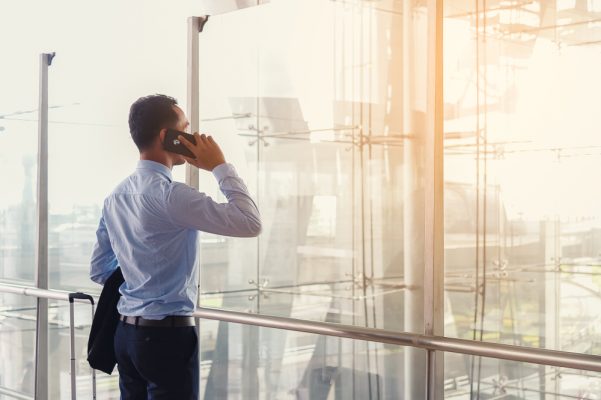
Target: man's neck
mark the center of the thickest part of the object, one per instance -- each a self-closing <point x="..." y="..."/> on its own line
<point x="158" y="158"/>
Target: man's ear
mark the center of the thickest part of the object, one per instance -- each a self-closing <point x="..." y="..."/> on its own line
<point x="162" y="135"/>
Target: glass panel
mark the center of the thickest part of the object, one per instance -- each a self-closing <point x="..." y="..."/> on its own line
<point x="522" y="216"/>
<point x="18" y="146"/>
<point x="228" y="111"/>
<point x="501" y="379"/>
<point x="322" y="113"/>
<point x="247" y="362"/>
<point x="74" y="209"/>
<point x="18" y="202"/>
<point x="17" y="345"/>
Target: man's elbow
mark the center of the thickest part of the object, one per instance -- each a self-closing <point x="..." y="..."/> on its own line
<point x="254" y="227"/>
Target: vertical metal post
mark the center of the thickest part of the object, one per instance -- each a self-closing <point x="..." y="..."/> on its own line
<point x="413" y="210"/>
<point x="552" y="302"/>
<point x="434" y="200"/>
<point x="41" y="274"/>
<point x="194" y="27"/>
<point x="423" y="205"/>
<point x="192" y="111"/>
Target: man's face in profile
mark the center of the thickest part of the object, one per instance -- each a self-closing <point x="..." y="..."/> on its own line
<point x="182" y="125"/>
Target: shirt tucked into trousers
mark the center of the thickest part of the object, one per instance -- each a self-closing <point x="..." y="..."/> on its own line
<point x="149" y="227"/>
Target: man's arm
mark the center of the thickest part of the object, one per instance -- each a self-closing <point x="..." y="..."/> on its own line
<point x="239" y="217"/>
<point x="103" y="261"/>
<point x="189" y="208"/>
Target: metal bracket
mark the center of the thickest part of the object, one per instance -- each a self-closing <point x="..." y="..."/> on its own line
<point x="50" y="57"/>
<point x="202" y="21"/>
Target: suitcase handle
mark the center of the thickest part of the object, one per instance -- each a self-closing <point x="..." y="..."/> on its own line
<point x="80" y="296"/>
<point x="72" y="297"/>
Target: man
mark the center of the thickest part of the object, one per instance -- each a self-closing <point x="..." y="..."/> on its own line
<point x="149" y="227"/>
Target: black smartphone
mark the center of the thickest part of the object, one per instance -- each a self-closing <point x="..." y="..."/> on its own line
<point x="174" y="145"/>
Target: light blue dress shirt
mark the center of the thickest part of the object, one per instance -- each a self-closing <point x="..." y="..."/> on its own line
<point x="149" y="227"/>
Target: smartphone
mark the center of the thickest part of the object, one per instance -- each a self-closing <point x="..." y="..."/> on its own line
<point x="174" y="145"/>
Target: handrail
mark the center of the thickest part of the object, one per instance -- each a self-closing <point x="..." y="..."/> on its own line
<point x="43" y="293"/>
<point x="556" y="358"/>
<point x="439" y="343"/>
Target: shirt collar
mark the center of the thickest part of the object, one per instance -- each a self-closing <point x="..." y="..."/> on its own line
<point x="155" y="166"/>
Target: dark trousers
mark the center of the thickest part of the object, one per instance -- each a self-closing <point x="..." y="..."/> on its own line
<point x="157" y="363"/>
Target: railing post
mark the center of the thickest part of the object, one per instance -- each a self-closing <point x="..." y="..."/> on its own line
<point x="195" y="25"/>
<point x="41" y="273"/>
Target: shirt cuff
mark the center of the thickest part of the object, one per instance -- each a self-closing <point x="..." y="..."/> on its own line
<point x="223" y="171"/>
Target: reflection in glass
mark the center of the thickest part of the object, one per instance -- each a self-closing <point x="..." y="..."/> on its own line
<point x="308" y="100"/>
<point x="501" y="379"/>
<point x="522" y="216"/>
<point x="248" y="362"/>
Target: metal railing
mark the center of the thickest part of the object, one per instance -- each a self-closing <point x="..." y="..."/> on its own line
<point x="436" y="343"/>
<point x="555" y="358"/>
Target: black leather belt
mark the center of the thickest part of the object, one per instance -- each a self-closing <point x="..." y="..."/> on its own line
<point x="171" y="321"/>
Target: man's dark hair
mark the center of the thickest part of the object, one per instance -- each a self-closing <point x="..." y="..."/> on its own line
<point x="148" y="115"/>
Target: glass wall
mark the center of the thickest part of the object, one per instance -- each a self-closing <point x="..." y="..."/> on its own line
<point x="18" y="202"/>
<point x="522" y="218"/>
<point x="307" y="101"/>
<point x="501" y="379"/>
<point x="322" y="108"/>
<point x="261" y="363"/>
<point x="17" y="346"/>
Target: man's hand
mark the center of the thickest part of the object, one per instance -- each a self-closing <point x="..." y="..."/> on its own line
<point x="207" y="154"/>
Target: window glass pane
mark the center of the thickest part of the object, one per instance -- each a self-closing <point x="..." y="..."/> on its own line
<point x="495" y="378"/>
<point x="522" y="217"/>
<point x="228" y="112"/>
<point x="308" y="98"/>
<point x="18" y="158"/>
<point x="247" y="362"/>
<point x="18" y="202"/>
<point x="17" y="346"/>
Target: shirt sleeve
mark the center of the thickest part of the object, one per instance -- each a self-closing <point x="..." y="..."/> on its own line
<point x="239" y="217"/>
<point x="104" y="261"/>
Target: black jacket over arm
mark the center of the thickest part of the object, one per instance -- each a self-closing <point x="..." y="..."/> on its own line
<point x="101" y="351"/>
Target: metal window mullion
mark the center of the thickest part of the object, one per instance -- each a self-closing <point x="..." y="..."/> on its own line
<point x="192" y="111"/>
<point x="194" y="26"/>
<point x="434" y="199"/>
<point x="41" y="272"/>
